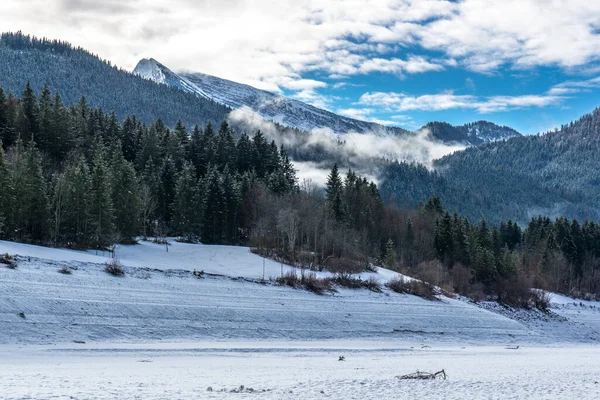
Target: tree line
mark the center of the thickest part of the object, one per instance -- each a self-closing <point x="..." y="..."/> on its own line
<point x="77" y="177"/>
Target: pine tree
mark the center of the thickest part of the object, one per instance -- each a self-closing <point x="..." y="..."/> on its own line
<point x="77" y="204"/>
<point x="225" y="147"/>
<point x="28" y="117"/>
<point x="261" y="148"/>
<point x="45" y="134"/>
<point x="208" y="147"/>
<point x="244" y="150"/>
<point x="125" y="197"/>
<point x="389" y="260"/>
<point x="195" y="151"/>
<point x="231" y="199"/>
<point x="60" y="141"/>
<point x="181" y="133"/>
<point x="5" y="194"/>
<point x="130" y="132"/>
<point x="214" y="206"/>
<point x="166" y="191"/>
<point x="288" y="170"/>
<point x="101" y="205"/>
<point x="187" y="208"/>
<point x="30" y="207"/>
<point x="4" y="119"/>
<point x="334" y="189"/>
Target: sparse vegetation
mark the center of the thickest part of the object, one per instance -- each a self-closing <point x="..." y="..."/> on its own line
<point x="65" y="270"/>
<point x="349" y="282"/>
<point x="199" y="274"/>
<point x="412" y="286"/>
<point x="307" y="280"/>
<point x="8" y="260"/>
<point x="372" y="284"/>
<point x="114" y="268"/>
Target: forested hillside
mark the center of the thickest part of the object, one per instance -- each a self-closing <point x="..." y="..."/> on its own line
<point x="80" y="178"/>
<point x="553" y="174"/>
<point x="75" y="73"/>
<point x="474" y="133"/>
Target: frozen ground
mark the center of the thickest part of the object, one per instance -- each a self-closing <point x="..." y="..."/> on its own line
<point x="284" y="371"/>
<point x="161" y="332"/>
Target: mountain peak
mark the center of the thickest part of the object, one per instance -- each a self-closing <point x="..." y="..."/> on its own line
<point x="149" y="68"/>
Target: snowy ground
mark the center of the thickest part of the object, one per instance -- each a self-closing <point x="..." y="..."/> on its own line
<point x="284" y="372"/>
<point x="161" y="332"/>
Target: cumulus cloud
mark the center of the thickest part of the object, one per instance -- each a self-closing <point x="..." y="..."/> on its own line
<point x="400" y="102"/>
<point x="361" y="151"/>
<point x="265" y="42"/>
<point x="570" y="87"/>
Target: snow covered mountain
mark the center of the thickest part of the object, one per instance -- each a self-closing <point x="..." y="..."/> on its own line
<point x="280" y="109"/>
<point x="296" y="114"/>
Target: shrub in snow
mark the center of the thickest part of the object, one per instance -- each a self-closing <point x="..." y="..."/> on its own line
<point x="344" y="265"/>
<point x="347" y="281"/>
<point x="414" y="287"/>
<point x="114" y="268"/>
<point x="372" y="284"/>
<point x="65" y="270"/>
<point x="309" y="281"/>
<point x="519" y="294"/>
<point x="9" y="261"/>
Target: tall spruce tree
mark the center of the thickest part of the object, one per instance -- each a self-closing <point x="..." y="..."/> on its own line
<point x="187" y="204"/>
<point x="333" y="189"/>
<point x="77" y="204"/>
<point x="30" y="207"/>
<point x="215" y="207"/>
<point x="5" y="194"/>
<point x="125" y="197"/>
<point x="29" y="114"/>
<point x="102" y="211"/>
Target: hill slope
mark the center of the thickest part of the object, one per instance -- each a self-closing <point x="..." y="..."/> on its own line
<point x="74" y="72"/>
<point x="551" y="174"/>
<point x="156" y="300"/>
<point x="473" y="133"/>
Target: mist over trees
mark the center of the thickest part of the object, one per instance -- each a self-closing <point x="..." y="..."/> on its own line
<point x="553" y="174"/>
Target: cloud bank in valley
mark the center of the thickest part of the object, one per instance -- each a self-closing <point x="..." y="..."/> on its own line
<point x="360" y="151"/>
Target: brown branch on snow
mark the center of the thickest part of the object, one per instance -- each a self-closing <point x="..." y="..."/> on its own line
<point x="425" y="375"/>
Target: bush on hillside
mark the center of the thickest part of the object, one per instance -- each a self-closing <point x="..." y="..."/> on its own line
<point x="412" y="286"/>
<point x="114" y="268"/>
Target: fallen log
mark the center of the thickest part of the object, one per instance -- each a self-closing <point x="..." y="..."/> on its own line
<point x="425" y="375"/>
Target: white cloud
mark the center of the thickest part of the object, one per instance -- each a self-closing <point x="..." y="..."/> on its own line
<point x="570" y="87"/>
<point x="413" y="65"/>
<point x="273" y="44"/>
<point x="400" y="102"/>
<point x="358" y="113"/>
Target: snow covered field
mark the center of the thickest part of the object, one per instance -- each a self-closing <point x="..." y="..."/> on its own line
<point x="187" y="372"/>
<point x="161" y="332"/>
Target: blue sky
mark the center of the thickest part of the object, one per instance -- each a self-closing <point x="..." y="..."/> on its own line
<point x="548" y="109"/>
<point x="529" y="64"/>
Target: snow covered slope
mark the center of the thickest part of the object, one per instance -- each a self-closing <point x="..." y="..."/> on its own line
<point x="160" y="299"/>
<point x="296" y="114"/>
<point x="283" y="110"/>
